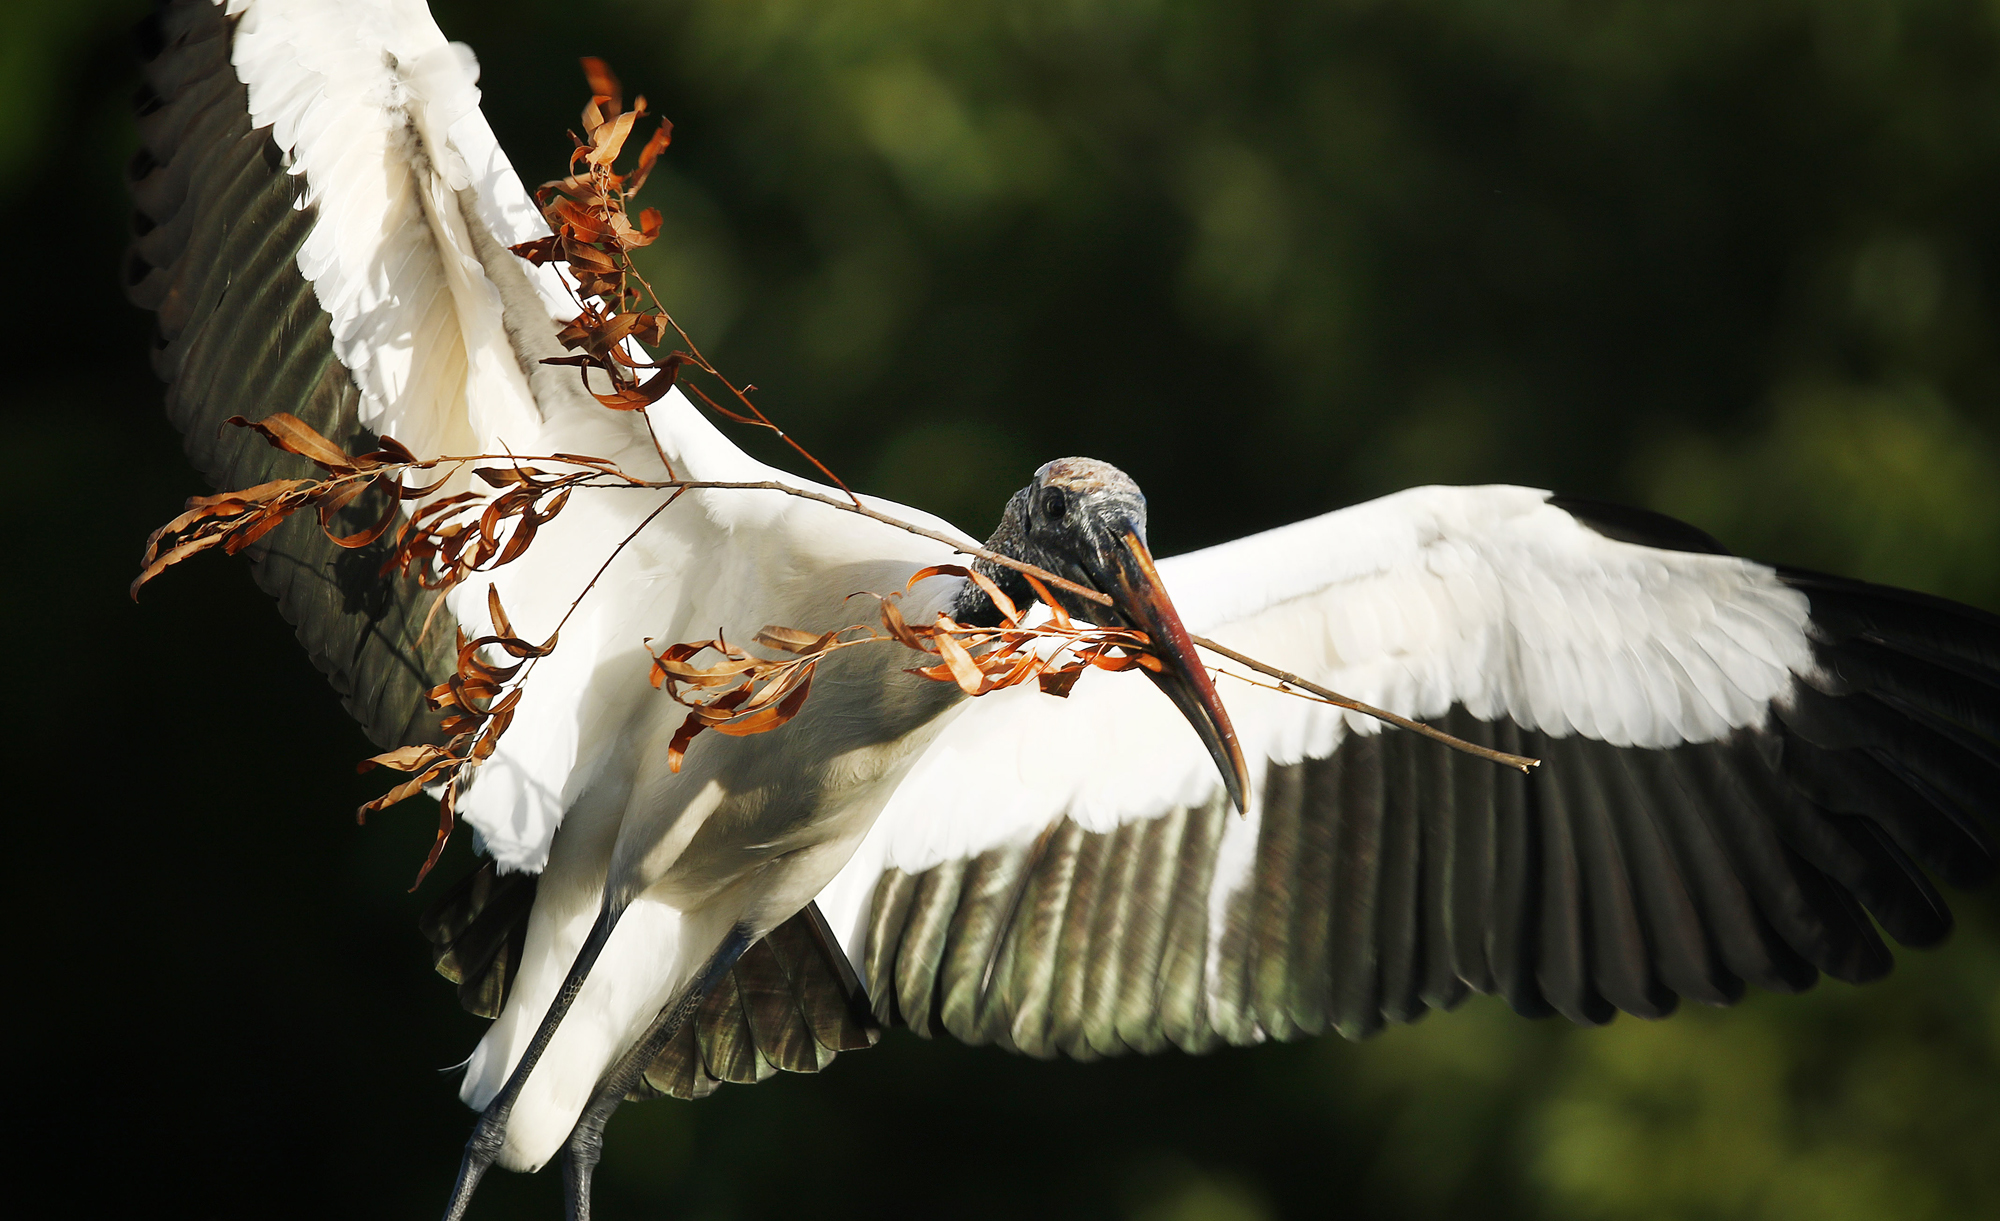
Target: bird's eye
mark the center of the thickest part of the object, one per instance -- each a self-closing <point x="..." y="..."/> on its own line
<point x="1055" y="503"/>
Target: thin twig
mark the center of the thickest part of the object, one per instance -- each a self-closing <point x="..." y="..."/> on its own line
<point x="612" y="471"/>
<point x="1520" y="763"/>
<point x="742" y="396"/>
<point x="956" y="544"/>
<point x="605" y="470"/>
<point x="595" y="578"/>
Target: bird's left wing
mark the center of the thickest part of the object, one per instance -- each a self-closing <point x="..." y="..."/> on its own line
<point x="323" y="216"/>
<point x="1741" y="766"/>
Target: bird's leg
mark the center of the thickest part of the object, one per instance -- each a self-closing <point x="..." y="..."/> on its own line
<point x="489" y="1135"/>
<point x="586" y="1140"/>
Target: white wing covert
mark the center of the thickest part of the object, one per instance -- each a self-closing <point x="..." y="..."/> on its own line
<point x="1738" y="761"/>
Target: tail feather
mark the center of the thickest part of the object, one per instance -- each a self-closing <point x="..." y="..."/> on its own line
<point x="820" y="1010"/>
<point x="792" y="1003"/>
<point x="476" y="930"/>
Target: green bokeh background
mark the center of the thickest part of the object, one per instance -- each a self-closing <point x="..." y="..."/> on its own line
<point x="1733" y="260"/>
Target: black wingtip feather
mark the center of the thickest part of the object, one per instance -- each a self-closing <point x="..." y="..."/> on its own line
<point x="1919" y="625"/>
<point x="1857" y="756"/>
<point x="1641" y="526"/>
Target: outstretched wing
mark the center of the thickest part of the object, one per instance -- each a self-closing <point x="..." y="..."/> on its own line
<point x="322" y="214"/>
<point x="323" y="218"/>
<point x="1742" y="765"/>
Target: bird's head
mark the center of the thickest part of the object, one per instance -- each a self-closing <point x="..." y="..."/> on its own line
<point x="1085" y="521"/>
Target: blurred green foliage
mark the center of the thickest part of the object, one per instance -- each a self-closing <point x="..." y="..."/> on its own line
<point x="1732" y="260"/>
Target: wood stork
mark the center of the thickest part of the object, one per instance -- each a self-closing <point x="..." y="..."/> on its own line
<point x="1747" y="767"/>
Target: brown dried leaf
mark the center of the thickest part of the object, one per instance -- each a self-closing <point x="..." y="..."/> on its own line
<point x="579" y="226"/>
<point x="651" y="330"/>
<point x="251" y="527"/>
<point x="792" y="640"/>
<point x="1058" y="682"/>
<point x="677" y="747"/>
<point x="409" y="788"/>
<point x="768" y="718"/>
<point x="445" y="819"/>
<point x="1000" y="599"/>
<point x="609" y="139"/>
<point x="263" y="493"/>
<point x="541" y="250"/>
<point x="603" y="81"/>
<point x="640" y="397"/>
<point x="892" y="618"/>
<point x="963" y="669"/>
<point x="1056" y="611"/>
<point x="936" y="570"/>
<point x="160" y="562"/>
<point x="404" y="759"/>
<point x="496" y="612"/>
<point x="1027" y="665"/>
<point x="365" y="537"/>
<point x="514" y="646"/>
<point x="517" y="542"/>
<point x="1008" y="610"/>
<point x="333" y="499"/>
<point x="662" y="136"/>
<point x="293" y="435"/>
<point x="506" y="476"/>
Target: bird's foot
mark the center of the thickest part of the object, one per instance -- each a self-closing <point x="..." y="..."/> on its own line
<point x="489" y="1136"/>
<point x="580" y="1154"/>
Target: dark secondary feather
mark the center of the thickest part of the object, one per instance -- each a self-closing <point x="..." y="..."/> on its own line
<point x="791" y="1003"/>
<point x="241" y="333"/>
<point x="1396" y="876"/>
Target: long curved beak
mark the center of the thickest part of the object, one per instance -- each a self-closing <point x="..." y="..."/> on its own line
<point x="1137" y="594"/>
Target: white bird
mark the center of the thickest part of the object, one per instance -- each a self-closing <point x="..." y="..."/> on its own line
<point x="1743" y="764"/>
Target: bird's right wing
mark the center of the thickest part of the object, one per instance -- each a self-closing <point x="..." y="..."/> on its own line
<point x="1741" y="766"/>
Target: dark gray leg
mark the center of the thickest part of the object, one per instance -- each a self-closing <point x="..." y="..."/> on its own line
<point x="586" y="1140"/>
<point x="489" y="1135"/>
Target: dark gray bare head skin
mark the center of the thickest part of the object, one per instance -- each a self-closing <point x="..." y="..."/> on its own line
<point x="1085" y="521"/>
<point x="1068" y="521"/>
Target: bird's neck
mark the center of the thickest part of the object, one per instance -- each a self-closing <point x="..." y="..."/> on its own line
<point x="973" y="607"/>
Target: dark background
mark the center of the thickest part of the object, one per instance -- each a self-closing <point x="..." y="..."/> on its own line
<point x="1736" y="261"/>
